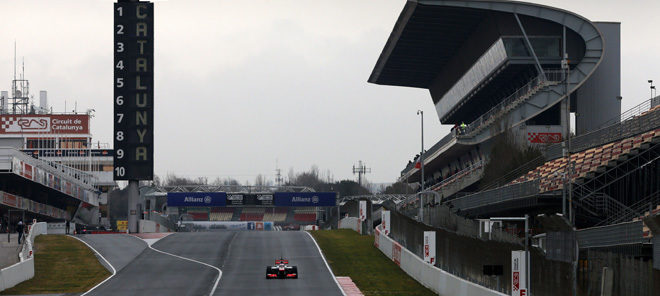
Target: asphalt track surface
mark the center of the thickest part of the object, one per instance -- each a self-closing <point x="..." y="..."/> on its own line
<point x="242" y="257"/>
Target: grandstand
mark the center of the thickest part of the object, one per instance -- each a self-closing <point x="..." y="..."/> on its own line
<point x="614" y="175"/>
<point x="499" y="67"/>
<point x="523" y="69"/>
<point x="221" y="214"/>
<point x="282" y="205"/>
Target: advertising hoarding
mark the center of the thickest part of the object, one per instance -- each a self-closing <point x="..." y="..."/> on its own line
<point x="305" y="199"/>
<point x="518" y="274"/>
<point x="429" y="247"/>
<point x="44" y="124"/>
<point x="385" y="222"/>
<point x="362" y="214"/>
<point x="196" y="199"/>
<point x="249" y="199"/>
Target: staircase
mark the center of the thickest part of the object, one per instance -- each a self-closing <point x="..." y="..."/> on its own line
<point x="536" y="96"/>
<point x="634" y="211"/>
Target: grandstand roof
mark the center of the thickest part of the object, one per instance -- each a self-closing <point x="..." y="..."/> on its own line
<point x="429" y="33"/>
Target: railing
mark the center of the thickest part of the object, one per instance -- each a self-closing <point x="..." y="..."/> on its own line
<point x="611" y="235"/>
<point x="50" y="166"/>
<point x="498" y="195"/>
<point x="636" y="208"/>
<point x="551" y="77"/>
<point x="462" y="173"/>
<point x="516" y="173"/>
<point x="632" y="122"/>
<point x="444" y="141"/>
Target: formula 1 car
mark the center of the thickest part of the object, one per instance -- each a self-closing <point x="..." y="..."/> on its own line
<point x="281" y="270"/>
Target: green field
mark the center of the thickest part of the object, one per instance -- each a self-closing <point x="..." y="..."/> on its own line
<point x="354" y="255"/>
<point x="62" y="265"/>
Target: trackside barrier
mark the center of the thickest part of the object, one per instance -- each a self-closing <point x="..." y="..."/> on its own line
<point x="436" y="279"/>
<point x="23" y="270"/>
<point x="350" y="223"/>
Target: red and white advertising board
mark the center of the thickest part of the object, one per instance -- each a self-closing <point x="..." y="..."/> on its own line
<point x="44" y="124"/>
<point x="396" y="253"/>
<point x="363" y="211"/>
<point x="429" y="247"/>
<point x="518" y="274"/>
<point x="10" y="200"/>
<point x="27" y="171"/>
<point x="385" y="222"/>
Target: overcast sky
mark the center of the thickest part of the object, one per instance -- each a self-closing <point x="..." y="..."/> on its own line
<point x="241" y="84"/>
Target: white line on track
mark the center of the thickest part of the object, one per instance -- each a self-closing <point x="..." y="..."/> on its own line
<point x="114" y="271"/>
<point x="326" y="263"/>
<point x="217" y="281"/>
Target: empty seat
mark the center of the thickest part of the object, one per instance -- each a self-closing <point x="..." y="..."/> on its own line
<point x="305" y="217"/>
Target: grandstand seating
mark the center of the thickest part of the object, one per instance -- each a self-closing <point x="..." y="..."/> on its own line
<point x="304" y="215"/>
<point x="588" y="162"/>
<point x="278" y="215"/>
<point x="221" y="214"/>
<point x="199" y="216"/>
<point x="252" y="214"/>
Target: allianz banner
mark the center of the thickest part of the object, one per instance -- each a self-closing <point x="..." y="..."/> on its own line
<point x="305" y="199"/>
<point x="196" y="199"/>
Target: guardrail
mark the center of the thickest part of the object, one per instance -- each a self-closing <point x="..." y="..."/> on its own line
<point x="23" y="270"/>
<point x="436" y="279"/>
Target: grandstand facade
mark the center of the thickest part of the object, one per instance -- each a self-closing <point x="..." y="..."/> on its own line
<point x="285" y="206"/>
<point x="514" y="68"/>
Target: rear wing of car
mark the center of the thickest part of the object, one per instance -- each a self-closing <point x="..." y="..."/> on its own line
<point x="281" y="262"/>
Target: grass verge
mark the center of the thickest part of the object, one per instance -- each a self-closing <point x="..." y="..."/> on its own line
<point x="61" y="265"/>
<point x="354" y="255"/>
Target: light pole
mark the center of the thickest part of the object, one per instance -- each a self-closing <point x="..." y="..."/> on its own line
<point x="421" y="161"/>
<point x="652" y="87"/>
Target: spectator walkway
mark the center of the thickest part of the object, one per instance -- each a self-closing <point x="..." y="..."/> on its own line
<point x="9" y="251"/>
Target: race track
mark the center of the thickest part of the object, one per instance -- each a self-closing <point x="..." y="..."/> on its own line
<point x="242" y="257"/>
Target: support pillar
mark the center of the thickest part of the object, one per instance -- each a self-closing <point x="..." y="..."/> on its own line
<point x="133" y="199"/>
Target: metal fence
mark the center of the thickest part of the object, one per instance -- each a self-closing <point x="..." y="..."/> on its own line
<point x="498" y="195"/>
<point x="634" y="121"/>
<point x="551" y="77"/>
<point x="611" y="235"/>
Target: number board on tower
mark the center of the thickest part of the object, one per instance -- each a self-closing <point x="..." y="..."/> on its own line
<point x="133" y="90"/>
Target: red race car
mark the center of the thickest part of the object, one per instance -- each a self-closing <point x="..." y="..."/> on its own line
<point x="281" y="270"/>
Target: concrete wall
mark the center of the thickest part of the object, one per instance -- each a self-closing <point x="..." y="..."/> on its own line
<point x="16" y="274"/>
<point x="349" y="223"/>
<point x="23" y="270"/>
<point x="597" y="99"/>
<point x="434" y="278"/>
<point x="462" y="252"/>
<point x="60" y="228"/>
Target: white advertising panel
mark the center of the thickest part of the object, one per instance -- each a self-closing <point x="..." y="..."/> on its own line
<point x="429" y="247"/>
<point x="385" y="222"/>
<point x="363" y="210"/>
<point x="518" y="274"/>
